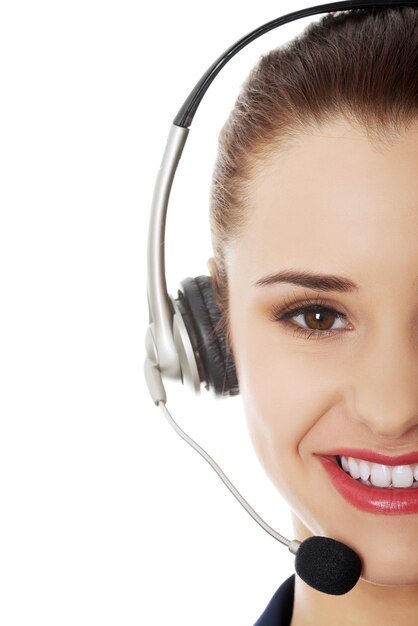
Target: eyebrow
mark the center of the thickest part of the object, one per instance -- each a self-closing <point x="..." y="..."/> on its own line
<point x="321" y="282"/>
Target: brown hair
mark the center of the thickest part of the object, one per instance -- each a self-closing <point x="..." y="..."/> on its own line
<point x="361" y="65"/>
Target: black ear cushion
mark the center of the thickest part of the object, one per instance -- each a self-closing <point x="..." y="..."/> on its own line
<point x="202" y="322"/>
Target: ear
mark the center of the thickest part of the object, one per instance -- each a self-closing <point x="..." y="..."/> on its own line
<point x="211" y="265"/>
<point x="213" y="273"/>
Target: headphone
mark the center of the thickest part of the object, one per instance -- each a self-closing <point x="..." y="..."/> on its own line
<point x="185" y="340"/>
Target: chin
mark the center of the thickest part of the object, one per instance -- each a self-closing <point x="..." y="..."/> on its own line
<point x="396" y="569"/>
<point x="376" y="576"/>
<point x="386" y="545"/>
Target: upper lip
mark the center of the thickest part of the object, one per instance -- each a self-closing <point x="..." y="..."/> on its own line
<point x="374" y="457"/>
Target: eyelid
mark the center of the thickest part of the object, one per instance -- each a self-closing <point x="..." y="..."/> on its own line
<point x="290" y="308"/>
<point x="293" y="303"/>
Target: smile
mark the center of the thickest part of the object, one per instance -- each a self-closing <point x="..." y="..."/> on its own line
<point x="386" y="500"/>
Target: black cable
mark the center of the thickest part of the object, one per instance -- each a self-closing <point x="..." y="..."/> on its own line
<point x="186" y="114"/>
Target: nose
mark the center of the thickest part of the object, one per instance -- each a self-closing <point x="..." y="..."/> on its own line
<point x="385" y="388"/>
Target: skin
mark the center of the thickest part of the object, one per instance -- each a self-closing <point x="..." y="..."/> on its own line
<point x="338" y="204"/>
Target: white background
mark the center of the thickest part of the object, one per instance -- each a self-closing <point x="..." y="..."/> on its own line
<point x="107" y="516"/>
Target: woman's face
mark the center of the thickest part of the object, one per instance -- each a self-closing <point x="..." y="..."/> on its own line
<point x="336" y="205"/>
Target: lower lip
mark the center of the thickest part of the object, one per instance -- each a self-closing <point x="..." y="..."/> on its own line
<point x="398" y="501"/>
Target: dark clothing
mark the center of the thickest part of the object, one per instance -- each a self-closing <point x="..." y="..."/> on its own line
<point x="279" y="609"/>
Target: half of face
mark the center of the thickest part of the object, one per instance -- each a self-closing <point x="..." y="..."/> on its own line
<point x="323" y="288"/>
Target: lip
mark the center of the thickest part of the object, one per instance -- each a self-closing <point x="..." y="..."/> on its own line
<point x="397" y="501"/>
<point x="374" y="457"/>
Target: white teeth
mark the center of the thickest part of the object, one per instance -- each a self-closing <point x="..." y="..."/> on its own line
<point x="381" y="475"/>
<point x="375" y="474"/>
<point x="364" y="470"/>
<point x="354" y="467"/>
<point x="402" y="476"/>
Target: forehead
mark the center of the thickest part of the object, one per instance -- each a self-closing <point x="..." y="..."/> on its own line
<point x="334" y="199"/>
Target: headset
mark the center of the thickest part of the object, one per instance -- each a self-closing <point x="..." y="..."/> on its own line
<point x="185" y="340"/>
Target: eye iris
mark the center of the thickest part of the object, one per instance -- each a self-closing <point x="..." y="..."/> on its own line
<point x="324" y="318"/>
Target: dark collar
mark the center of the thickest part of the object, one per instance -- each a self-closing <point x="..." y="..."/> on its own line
<point x="279" y="610"/>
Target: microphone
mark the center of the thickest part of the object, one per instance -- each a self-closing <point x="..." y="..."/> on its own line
<point x="328" y="565"/>
<point x="323" y="563"/>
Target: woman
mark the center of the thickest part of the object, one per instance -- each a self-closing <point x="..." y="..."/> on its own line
<point x="314" y="218"/>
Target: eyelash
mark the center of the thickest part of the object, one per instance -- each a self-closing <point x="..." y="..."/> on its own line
<point x="283" y="314"/>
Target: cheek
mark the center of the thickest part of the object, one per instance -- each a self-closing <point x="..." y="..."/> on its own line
<point x="286" y="389"/>
<point x="276" y="419"/>
<point x="270" y="389"/>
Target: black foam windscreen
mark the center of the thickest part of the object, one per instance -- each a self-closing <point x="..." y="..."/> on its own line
<point x="328" y="565"/>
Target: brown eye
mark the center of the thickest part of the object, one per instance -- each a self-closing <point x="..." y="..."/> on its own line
<point x="319" y="318"/>
<point x="315" y="319"/>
